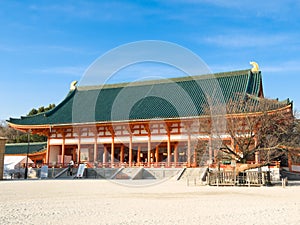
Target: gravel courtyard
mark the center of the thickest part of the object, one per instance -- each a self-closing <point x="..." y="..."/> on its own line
<point x="136" y="202"/>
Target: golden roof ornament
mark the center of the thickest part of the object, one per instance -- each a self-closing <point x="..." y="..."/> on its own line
<point x="73" y="85"/>
<point x="255" y="67"/>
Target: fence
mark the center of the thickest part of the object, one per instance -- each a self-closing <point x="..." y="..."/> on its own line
<point x="229" y="178"/>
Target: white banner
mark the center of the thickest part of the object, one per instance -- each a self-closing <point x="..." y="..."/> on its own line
<point x="44" y="172"/>
<point x="80" y="170"/>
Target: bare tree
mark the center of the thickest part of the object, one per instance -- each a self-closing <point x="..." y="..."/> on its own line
<point x="15" y="136"/>
<point x="258" y="129"/>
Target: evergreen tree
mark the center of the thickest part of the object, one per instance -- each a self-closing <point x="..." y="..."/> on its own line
<point x="15" y="136"/>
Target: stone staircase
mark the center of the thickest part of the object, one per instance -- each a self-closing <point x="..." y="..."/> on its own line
<point x="104" y="173"/>
<point x="194" y="174"/>
<point x="63" y="173"/>
<point x="135" y="173"/>
<point x="126" y="173"/>
<point x="162" y="173"/>
<point x="145" y="173"/>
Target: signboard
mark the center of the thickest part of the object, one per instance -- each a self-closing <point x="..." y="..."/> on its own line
<point x="233" y="163"/>
<point x="80" y="170"/>
<point x="44" y="172"/>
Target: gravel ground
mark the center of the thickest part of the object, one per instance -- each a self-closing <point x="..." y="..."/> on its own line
<point x="139" y="202"/>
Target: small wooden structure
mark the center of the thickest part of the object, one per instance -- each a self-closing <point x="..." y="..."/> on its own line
<point x="2" y="150"/>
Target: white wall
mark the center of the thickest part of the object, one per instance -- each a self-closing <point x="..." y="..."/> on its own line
<point x="296" y="168"/>
<point x="54" y="152"/>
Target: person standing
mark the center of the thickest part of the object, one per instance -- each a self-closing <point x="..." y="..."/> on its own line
<point x="70" y="167"/>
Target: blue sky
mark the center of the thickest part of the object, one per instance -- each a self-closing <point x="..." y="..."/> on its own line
<point x="45" y="45"/>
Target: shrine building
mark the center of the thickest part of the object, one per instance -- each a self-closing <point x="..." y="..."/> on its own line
<point x="151" y="123"/>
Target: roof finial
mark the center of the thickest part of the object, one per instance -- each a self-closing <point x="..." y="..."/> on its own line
<point x="73" y="85"/>
<point x="255" y="67"/>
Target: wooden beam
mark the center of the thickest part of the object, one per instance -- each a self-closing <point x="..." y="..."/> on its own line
<point x="129" y="128"/>
<point x="110" y="129"/>
<point x="168" y="126"/>
<point x="147" y="128"/>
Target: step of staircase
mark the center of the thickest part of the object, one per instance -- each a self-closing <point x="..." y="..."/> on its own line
<point x="126" y="173"/>
<point x="194" y="173"/>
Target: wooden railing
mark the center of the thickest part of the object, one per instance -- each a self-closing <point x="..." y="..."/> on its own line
<point x="119" y="165"/>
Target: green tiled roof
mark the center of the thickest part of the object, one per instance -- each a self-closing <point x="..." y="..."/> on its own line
<point x="21" y="148"/>
<point x="146" y="100"/>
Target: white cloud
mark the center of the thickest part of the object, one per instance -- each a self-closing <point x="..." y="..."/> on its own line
<point x="57" y="49"/>
<point x="285" y="66"/>
<point x="268" y="7"/>
<point x="216" y="68"/>
<point x="97" y="10"/>
<point x="276" y="10"/>
<point x="65" y="49"/>
<point x="65" y="70"/>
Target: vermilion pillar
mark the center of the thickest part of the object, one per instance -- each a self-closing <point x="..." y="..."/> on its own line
<point x="48" y="150"/>
<point x="149" y="149"/>
<point x="169" y="148"/>
<point x="104" y="153"/>
<point x="189" y="149"/>
<point x="156" y="154"/>
<point x="112" y="156"/>
<point x="95" y="148"/>
<point x="122" y="154"/>
<point x="63" y="151"/>
<point x="176" y="154"/>
<point x="79" y="147"/>
<point x="130" y="150"/>
<point x="139" y="154"/>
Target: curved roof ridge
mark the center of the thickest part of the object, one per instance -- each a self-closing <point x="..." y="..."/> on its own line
<point x="283" y="102"/>
<point x="67" y="98"/>
<point x="47" y="113"/>
<point x="25" y="117"/>
<point x="163" y="81"/>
